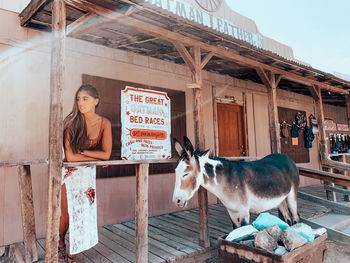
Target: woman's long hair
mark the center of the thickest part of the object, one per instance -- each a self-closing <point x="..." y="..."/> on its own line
<point x="74" y="125"/>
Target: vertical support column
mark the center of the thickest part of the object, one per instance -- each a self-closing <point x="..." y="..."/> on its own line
<point x="141" y="213"/>
<point x="347" y="100"/>
<point x="55" y="129"/>
<point x="28" y="220"/>
<point x="198" y="118"/>
<point x="196" y="64"/>
<point x="273" y="116"/>
<point x="320" y="120"/>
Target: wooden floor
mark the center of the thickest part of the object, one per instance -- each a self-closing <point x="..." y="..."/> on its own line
<point x="172" y="237"/>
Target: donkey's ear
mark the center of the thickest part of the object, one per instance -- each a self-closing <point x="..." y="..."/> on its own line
<point x="188" y="146"/>
<point x="205" y="154"/>
<point x="178" y="147"/>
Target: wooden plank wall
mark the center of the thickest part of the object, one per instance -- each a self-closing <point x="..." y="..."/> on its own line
<point x="298" y="153"/>
<point x="338" y="114"/>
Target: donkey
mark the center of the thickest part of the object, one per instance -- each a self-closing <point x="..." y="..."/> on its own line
<point x="242" y="187"/>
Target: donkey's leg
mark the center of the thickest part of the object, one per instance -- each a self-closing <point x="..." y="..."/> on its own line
<point x="292" y="202"/>
<point x="283" y="212"/>
<point x="239" y="218"/>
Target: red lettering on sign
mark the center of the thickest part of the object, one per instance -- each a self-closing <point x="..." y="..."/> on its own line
<point x="136" y="119"/>
<point x="148" y="134"/>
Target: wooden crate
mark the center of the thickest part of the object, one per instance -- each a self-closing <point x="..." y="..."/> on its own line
<point x="313" y="252"/>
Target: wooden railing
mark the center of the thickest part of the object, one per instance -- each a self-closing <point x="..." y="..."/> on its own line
<point x="141" y="208"/>
<point x="27" y="205"/>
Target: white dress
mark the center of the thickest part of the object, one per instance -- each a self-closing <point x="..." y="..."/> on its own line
<point x="82" y="207"/>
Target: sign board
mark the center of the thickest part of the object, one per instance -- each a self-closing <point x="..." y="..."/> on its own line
<point x="342" y="127"/>
<point x="186" y="10"/>
<point x="329" y="125"/>
<point x="146" y="124"/>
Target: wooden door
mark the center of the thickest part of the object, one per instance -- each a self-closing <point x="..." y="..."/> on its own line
<point x="231" y="130"/>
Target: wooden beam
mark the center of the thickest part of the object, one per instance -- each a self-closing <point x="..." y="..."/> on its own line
<point x="221" y="52"/>
<point x="186" y="56"/>
<point x="197" y="64"/>
<point x="314" y="93"/>
<point x="218" y="51"/>
<point x="325" y="176"/>
<point x="77" y="26"/>
<point x="138" y="40"/>
<point x="273" y="116"/>
<point x="206" y="59"/>
<point x="264" y="78"/>
<point x="11" y="163"/>
<point x="55" y="129"/>
<point x="141" y="213"/>
<point x="109" y="11"/>
<point x="336" y="189"/>
<point x="30" y="10"/>
<point x="37" y="22"/>
<point x="271" y="83"/>
<point x="336" y="207"/>
<point x="118" y="162"/>
<point x="164" y="51"/>
<point x="323" y="148"/>
<point x="200" y="142"/>
<point x="27" y="208"/>
<point x="278" y="78"/>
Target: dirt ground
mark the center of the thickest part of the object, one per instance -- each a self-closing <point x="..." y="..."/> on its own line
<point x="337" y="252"/>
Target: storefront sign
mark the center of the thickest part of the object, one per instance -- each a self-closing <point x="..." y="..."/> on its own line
<point x="187" y="11"/>
<point x="342" y="127"/>
<point x="329" y="125"/>
<point x="146" y="124"/>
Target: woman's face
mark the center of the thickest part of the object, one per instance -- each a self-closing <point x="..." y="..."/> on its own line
<point x="86" y="103"/>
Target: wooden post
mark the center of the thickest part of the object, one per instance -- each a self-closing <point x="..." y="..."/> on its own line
<point x="273" y="117"/>
<point x="28" y="220"/>
<point x="320" y="120"/>
<point x="141" y="213"/>
<point x="55" y="129"/>
<point x="215" y="121"/>
<point x="195" y="64"/>
<point x="271" y="83"/>
<point x="198" y="118"/>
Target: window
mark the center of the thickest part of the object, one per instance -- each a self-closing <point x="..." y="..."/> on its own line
<point x="109" y="107"/>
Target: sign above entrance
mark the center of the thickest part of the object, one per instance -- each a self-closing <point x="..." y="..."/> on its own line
<point x="184" y="9"/>
<point x="146" y="124"/>
<point x="209" y="5"/>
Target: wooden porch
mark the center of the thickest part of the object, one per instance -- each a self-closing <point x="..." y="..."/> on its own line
<point x="172" y="237"/>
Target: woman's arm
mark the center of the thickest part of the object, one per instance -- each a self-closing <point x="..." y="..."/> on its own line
<point x="74" y="157"/>
<point x="105" y="154"/>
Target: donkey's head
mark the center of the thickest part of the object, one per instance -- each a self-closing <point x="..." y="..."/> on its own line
<point x="188" y="172"/>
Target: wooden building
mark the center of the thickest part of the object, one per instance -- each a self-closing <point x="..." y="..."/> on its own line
<point x="230" y="88"/>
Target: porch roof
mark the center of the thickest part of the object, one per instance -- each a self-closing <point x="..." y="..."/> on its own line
<point x="136" y="26"/>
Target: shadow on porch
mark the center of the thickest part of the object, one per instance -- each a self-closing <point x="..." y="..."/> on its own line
<point x="171" y="237"/>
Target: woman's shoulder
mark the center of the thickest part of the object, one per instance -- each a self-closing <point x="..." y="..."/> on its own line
<point x="105" y="122"/>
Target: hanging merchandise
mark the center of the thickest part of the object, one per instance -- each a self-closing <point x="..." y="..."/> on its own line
<point x="332" y="142"/>
<point x="309" y="137"/>
<point x="294" y="131"/>
<point x="284" y="129"/>
<point x="295" y="141"/>
<point x="295" y="134"/>
<point x="300" y="120"/>
<point x="313" y="124"/>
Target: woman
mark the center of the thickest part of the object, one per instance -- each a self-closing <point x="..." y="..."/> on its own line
<point x="87" y="137"/>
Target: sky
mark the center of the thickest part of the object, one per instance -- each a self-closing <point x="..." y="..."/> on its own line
<point x="317" y="30"/>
